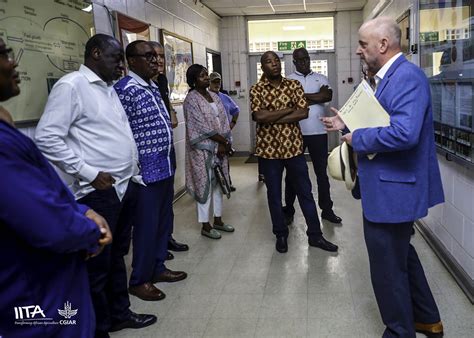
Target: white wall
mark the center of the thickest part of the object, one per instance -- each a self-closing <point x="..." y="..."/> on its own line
<point x="452" y="222"/>
<point x="348" y="63"/>
<point x="234" y="55"/>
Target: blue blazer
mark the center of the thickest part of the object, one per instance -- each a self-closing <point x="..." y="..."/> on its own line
<point x="403" y="180"/>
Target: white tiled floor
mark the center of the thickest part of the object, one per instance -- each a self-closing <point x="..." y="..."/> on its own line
<point x="239" y="286"/>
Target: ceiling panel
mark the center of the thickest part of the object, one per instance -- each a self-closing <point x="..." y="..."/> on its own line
<point x="262" y="7"/>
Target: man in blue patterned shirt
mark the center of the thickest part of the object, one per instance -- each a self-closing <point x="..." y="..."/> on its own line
<point x="152" y="131"/>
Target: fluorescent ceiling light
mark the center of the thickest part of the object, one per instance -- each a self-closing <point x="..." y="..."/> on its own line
<point x="293" y="28"/>
<point x="88" y="9"/>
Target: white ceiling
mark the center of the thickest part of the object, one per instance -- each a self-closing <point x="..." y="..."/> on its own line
<point x="263" y="7"/>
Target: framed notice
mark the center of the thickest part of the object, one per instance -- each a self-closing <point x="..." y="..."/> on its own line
<point x="48" y="38"/>
<point x="178" y="57"/>
<point x="130" y="29"/>
<point x="404" y="24"/>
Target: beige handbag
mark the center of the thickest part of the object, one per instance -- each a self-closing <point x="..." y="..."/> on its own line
<point x="174" y="118"/>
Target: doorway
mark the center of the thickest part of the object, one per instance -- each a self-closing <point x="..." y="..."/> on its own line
<point x="213" y="60"/>
<point x="321" y="62"/>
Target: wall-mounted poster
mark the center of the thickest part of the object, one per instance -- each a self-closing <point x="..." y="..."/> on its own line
<point x="178" y="57"/>
<point x="404" y="24"/>
<point x="48" y="38"/>
<point x="130" y="29"/>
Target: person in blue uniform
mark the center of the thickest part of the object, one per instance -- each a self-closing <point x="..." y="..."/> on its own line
<point x="45" y="237"/>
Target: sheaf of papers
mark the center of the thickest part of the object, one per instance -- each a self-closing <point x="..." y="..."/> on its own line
<point x="362" y="110"/>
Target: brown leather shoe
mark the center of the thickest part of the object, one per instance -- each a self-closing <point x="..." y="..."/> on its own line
<point x="170" y="276"/>
<point x="147" y="292"/>
<point x="430" y="330"/>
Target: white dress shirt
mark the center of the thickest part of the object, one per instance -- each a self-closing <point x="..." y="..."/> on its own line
<point x="312" y="84"/>
<point x="382" y="71"/>
<point x="84" y="130"/>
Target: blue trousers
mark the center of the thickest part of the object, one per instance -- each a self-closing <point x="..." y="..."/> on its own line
<point x="153" y="221"/>
<point x="400" y="286"/>
<point x="298" y="170"/>
<point x="317" y="146"/>
<point x="107" y="271"/>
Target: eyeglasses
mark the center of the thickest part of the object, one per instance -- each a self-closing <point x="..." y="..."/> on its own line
<point x="148" y="56"/>
<point x="8" y="54"/>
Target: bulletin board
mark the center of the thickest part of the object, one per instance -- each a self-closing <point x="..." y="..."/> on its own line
<point x="48" y="38"/>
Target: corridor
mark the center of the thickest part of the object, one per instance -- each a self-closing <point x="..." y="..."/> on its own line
<point x="239" y="286"/>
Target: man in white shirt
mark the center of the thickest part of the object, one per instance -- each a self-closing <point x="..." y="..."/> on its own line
<point x="85" y="132"/>
<point x="315" y="139"/>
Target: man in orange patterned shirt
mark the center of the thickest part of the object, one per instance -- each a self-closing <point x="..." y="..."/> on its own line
<point x="278" y="104"/>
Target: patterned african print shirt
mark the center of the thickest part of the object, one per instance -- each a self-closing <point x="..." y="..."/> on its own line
<point x="278" y="140"/>
<point x="151" y="126"/>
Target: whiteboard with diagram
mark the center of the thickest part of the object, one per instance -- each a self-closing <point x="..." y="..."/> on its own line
<point x="48" y="38"/>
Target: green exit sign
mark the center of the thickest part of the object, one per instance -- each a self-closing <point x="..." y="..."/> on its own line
<point x="290" y="45"/>
<point x="429" y="37"/>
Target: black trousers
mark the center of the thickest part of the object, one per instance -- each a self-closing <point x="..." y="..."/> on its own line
<point x="107" y="271"/>
<point x="317" y="146"/>
<point x="400" y="286"/>
<point x="298" y="170"/>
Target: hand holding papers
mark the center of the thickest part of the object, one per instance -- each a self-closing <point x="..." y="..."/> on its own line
<point x="363" y="110"/>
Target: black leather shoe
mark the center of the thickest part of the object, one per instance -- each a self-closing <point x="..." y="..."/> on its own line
<point x="169" y="256"/>
<point x="322" y="244"/>
<point x="146" y="291"/>
<point x="101" y="334"/>
<point x="281" y="244"/>
<point x="232" y="188"/>
<point x="134" y="321"/>
<point x="170" y="276"/>
<point x="331" y="217"/>
<point x="174" y="245"/>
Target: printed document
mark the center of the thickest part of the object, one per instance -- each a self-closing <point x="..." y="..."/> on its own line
<point x="363" y="110"/>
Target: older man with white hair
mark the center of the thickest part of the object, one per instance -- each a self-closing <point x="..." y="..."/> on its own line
<point x="399" y="184"/>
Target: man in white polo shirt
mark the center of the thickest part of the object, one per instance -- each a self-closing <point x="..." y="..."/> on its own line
<point x="317" y="92"/>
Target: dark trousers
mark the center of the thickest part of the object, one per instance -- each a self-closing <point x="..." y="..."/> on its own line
<point x="152" y="223"/>
<point x="400" y="286"/>
<point x="298" y="170"/>
<point x="317" y="146"/>
<point x="107" y="272"/>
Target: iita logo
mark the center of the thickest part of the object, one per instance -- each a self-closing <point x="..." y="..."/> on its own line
<point x="29" y="312"/>
<point x="68" y="312"/>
